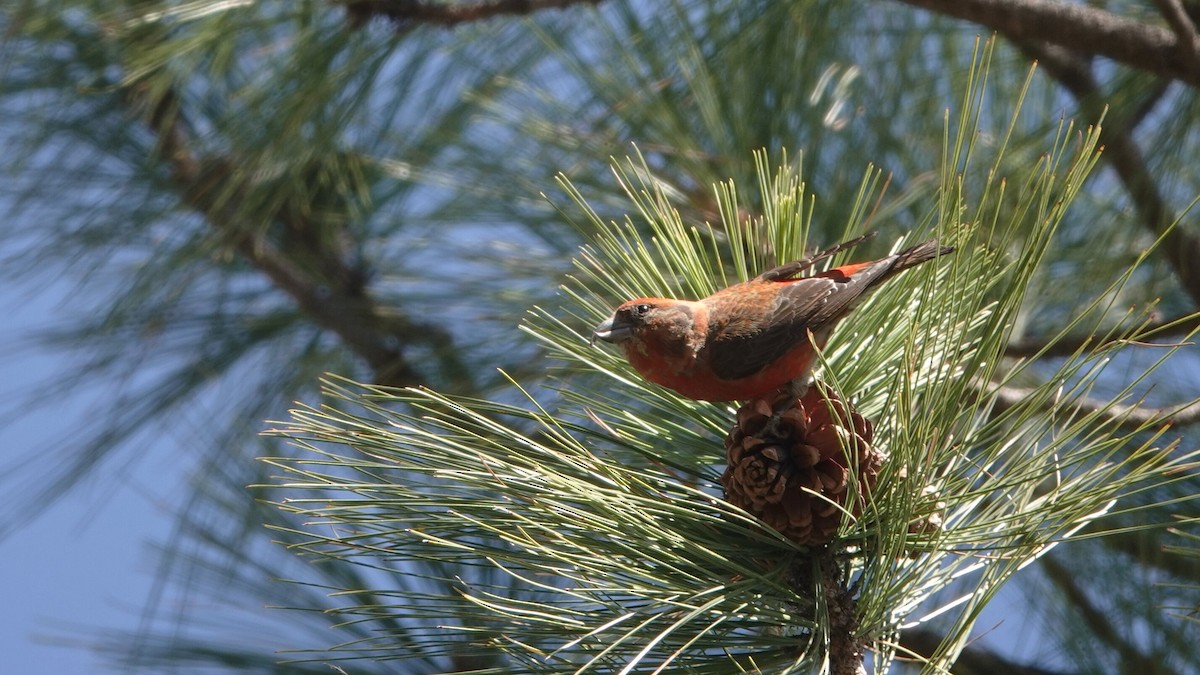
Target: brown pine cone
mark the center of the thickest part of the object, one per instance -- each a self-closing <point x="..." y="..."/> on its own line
<point x="770" y="465"/>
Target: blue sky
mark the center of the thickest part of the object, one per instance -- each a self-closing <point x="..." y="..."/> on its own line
<point x="83" y="563"/>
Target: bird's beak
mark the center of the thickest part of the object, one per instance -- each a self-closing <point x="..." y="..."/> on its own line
<point x="610" y="331"/>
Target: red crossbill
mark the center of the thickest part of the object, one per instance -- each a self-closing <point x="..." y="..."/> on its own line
<point x="754" y="338"/>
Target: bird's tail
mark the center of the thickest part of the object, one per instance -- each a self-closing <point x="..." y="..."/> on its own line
<point x="910" y="257"/>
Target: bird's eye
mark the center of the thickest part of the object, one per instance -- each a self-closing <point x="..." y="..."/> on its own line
<point x="642" y="309"/>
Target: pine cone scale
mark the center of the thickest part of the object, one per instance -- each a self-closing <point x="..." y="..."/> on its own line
<point x="795" y="474"/>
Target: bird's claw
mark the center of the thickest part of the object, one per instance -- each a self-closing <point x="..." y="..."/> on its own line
<point x="794" y="391"/>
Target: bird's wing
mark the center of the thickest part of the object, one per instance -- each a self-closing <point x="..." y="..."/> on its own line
<point x="754" y="326"/>
<point x="790" y="270"/>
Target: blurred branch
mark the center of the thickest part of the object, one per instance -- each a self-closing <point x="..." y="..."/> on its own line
<point x="406" y="13"/>
<point x="1137" y="115"/>
<point x="1063" y="37"/>
<point x="1177" y="17"/>
<point x="1068" y="346"/>
<point x="1128" y="417"/>
<point x="1074" y="72"/>
<point x="1096" y="618"/>
<point x="333" y="293"/>
<point x="974" y="660"/>
<point x="1149" y="550"/>
<point x="1081" y="28"/>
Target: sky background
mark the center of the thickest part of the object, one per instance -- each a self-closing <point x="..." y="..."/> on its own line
<point x="84" y="562"/>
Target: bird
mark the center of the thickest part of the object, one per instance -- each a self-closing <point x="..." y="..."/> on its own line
<point x="754" y="339"/>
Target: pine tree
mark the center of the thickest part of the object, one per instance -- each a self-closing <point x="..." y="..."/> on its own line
<point x="260" y="193"/>
<point x="603" y="506"/>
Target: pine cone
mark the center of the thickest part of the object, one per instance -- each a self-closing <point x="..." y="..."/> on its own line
<point x="770" y="465"/>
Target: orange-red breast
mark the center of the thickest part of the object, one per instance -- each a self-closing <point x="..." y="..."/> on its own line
<point x="751" y="339"/>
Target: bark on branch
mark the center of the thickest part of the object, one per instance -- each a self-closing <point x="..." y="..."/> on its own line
<point x="406" y="13"/>
<point x="1081" y="28"/>
<point x="1176" y="15"/>
<point x="846" y="646"/>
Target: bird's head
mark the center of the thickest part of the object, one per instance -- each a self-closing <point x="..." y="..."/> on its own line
<point x="648" y="319"/>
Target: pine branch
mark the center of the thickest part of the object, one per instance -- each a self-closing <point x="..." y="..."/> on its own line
<point x="1127" y="417"/>
<point x="627" y="561"/>
<point x="408" y="13"/>
<point x="1080" y="28"/>
<point x="1189" y="40"/>
<point x="1178" y="327"/>
<point x="1074" y="72"/>
<point x="1062" y="37"/>
<point x="1097" y="620"/>
<point x="333" y="294"/>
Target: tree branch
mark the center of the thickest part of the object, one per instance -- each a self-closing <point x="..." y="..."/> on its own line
<point x="1063" y="36"/>
<point x="1180" y="248"/>
<point x="1179" y="327"/>
<point x="1177" y="18"/>
<point x="406" y="13"/>
<point x="1128" y="417"/>
<point x="1096" y="618"/>
<point x="845" y="645"/>
<point x="1081" y="28"/>
<point x="334" y="298"/>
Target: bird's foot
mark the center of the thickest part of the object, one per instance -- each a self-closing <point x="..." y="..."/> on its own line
<point x="783" y="402"/>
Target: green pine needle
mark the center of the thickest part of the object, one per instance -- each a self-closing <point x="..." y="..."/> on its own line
<point x="590" y="535"/>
